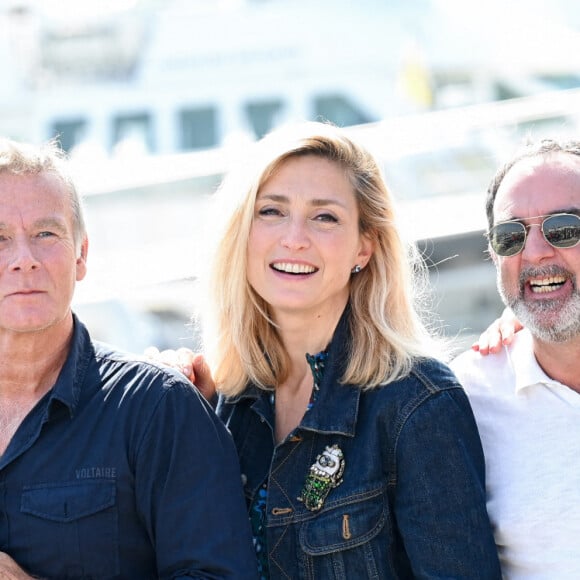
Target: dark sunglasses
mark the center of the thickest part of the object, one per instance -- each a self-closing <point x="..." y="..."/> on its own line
<point x="560" y="230"/>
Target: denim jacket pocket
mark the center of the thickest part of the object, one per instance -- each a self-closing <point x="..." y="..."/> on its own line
<point x="344" y="526"/>
<point x="343" y="541"/>
<point x="82" y="520"/>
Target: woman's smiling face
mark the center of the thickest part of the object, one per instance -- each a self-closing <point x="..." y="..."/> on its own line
<point x="305" y="237"/>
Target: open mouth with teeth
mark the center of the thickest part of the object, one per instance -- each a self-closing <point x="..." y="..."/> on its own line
<point x="547" y="284"/>
<point x="291" y="268"/>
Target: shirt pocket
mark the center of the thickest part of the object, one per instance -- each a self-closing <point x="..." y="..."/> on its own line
<point x="81" y="521"/>
<point x="348" y="539"/>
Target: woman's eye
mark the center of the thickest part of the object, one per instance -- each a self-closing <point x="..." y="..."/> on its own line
<point x="326" y="217"/>
<point x="267" y="211"/>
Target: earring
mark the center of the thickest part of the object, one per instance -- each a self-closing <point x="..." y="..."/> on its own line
<point x="356" y="269"/>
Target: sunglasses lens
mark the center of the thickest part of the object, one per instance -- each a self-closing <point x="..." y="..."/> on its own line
<point x="507" y="239"/>
<point x="562" y="231"/>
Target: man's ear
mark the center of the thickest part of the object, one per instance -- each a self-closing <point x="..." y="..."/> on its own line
<point x="82" y="260"/>
<point x="492" y="254"/>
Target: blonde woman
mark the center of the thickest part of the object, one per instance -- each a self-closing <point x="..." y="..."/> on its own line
<point x="359" y="452"/>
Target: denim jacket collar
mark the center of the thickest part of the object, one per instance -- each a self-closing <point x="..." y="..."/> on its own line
<point x="336" y="407"/>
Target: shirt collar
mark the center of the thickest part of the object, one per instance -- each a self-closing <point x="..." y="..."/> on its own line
<point x="526" y="368"/>
<point x="67" y="388"/>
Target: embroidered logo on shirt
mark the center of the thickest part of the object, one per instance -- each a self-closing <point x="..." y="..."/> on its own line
<point x="96" y="472"/>
<point x="325" y="474"/>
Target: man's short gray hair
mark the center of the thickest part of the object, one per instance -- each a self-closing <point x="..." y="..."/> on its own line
<point x="27" y="159"/>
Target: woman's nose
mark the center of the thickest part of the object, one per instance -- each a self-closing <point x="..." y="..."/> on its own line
<point x="295" y="235"/>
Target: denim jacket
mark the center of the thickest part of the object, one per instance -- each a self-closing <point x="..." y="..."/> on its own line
<point x="411" y="500"/>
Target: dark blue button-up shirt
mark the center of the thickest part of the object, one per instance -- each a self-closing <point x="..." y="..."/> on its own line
<point x="123" y="471"/>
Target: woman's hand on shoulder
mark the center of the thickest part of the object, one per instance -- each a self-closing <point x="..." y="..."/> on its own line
<point x="499" y="333"/>
<point x="192" y="365"/>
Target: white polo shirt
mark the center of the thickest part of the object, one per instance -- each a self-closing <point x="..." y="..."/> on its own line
<point x="530" y="430"/>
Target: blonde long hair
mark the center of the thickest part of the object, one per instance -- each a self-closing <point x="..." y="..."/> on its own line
<point x="385" y="297"/>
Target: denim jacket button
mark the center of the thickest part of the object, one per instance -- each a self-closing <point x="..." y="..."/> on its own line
<point x="281" y="511"/>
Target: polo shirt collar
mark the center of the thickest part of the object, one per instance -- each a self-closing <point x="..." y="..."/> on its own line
<point x="526" y="368"/>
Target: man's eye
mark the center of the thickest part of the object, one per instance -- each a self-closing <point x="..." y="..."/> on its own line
<point x="45" y="234"/>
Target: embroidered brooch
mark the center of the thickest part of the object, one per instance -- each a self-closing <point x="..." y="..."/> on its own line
<point x="325" y="474"/>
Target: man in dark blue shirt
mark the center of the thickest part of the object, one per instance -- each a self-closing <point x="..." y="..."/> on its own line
<point x="110" y="467"/>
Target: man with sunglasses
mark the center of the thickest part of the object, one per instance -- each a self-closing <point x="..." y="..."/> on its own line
<point x="526" y="399"/>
